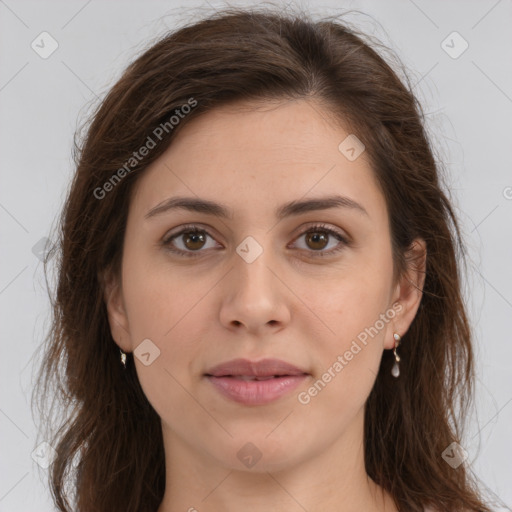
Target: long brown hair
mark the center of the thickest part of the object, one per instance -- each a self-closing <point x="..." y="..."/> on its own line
<point x="110" y="453"/>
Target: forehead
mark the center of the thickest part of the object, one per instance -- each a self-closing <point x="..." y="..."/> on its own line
<point x="282" y="130"/>
<point x="254" y="155"/>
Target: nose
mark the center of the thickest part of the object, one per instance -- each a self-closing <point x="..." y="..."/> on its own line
<point x="254" y="297"/>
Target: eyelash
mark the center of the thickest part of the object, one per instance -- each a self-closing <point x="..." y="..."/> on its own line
<point x="193" y="228"/>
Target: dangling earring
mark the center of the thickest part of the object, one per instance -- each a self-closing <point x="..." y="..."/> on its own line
<point x="395" y="371"/>
<point x="123" y="359"/>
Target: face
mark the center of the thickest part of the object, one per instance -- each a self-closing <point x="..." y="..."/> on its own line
<point x="312" y="287"/>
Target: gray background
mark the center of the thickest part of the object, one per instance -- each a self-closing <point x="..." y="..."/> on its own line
<point x="468" y="101"/>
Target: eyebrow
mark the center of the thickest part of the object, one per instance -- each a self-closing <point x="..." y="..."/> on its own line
<point x="292" y="208"/>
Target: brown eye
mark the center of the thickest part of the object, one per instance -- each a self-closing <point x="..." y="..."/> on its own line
<point x="193" y="240"/>
<point x="190" y="241"/>
<point x="317" y="240"/>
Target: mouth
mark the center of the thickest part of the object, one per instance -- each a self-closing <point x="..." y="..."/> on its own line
<point x="255" y="383"/>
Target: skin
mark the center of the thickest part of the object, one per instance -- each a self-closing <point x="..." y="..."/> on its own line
<point x="286" y="304"/>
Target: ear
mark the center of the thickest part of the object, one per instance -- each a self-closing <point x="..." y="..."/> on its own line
<point x="409" y="290"/>
<point x="117" y="318"/>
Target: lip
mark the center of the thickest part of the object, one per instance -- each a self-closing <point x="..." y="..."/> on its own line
<point x="256" y="392"/>
<point x="262" y="368"/>
<point x="281" y="379"/>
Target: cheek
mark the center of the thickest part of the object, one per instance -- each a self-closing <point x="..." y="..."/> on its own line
<point x="348" y="359"/>
<point x="163" y="306"/>
<point x="156" y="297"/>
<point x="350" y="312"/>
<point x="156" y="314"/>
<point x="352" y="301"/>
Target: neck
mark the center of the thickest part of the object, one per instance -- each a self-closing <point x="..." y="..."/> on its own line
<point x="333" y="480"/>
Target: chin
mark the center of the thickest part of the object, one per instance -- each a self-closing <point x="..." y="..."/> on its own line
<point x="260" y="453"/>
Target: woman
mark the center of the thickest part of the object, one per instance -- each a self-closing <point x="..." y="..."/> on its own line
<point x="258" y="299"/>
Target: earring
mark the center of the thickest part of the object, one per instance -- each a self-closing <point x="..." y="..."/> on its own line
<point x="123" y="359"/>
<point x="395" y="371"/>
